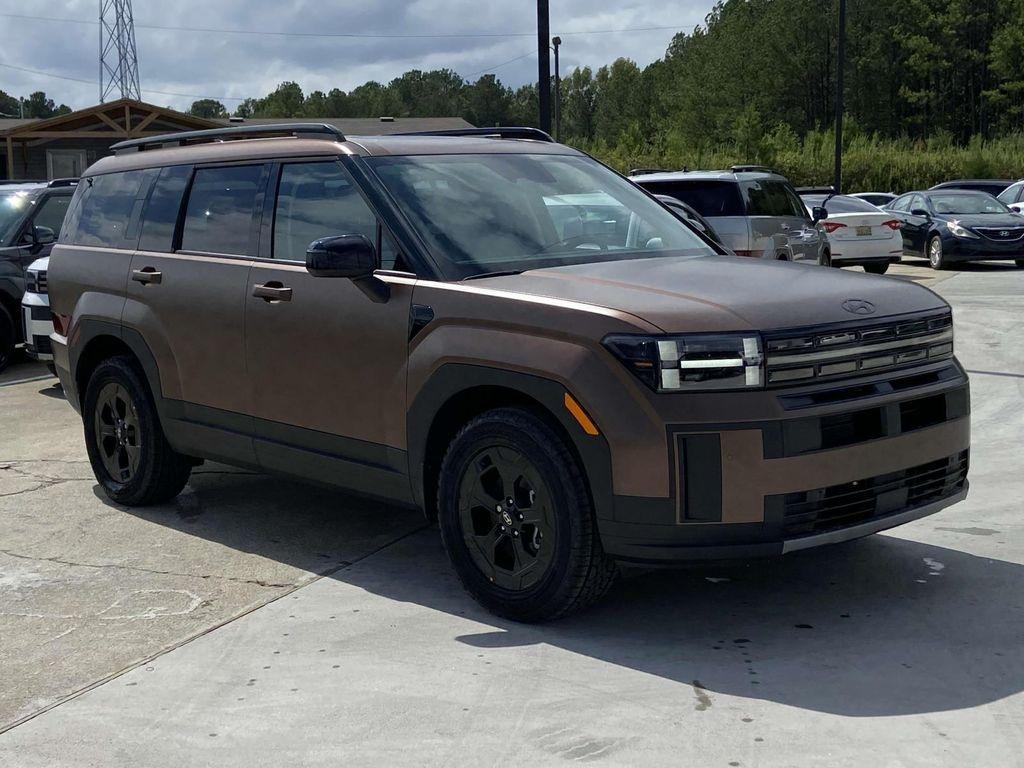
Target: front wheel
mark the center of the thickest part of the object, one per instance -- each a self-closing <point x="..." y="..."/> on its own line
<point x="934" y="252"/>
<point x="517" y="521"/>
<point x="129" y="453"/>
<point x="877" y="269"/>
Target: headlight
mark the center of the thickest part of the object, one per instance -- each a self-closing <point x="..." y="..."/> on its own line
<point x="694" y="362"/>
<point x="957" y="229"/>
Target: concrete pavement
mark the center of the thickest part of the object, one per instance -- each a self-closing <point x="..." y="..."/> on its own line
<point x="902" y="649"/>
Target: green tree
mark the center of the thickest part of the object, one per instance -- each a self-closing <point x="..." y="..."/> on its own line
<point x="208" y="108"/>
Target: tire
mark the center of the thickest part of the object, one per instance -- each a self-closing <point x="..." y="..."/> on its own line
<point x="8" y="338"/>
<point x="825" y="259"/>
<point x="129" y="453"/>
<point x="877" y="269"/>
<point x="539" y="557"/>
<point x="933" y="252"/>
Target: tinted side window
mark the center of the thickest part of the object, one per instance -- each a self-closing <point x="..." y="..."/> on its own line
<point x="769" y="198"/>
<point x="219" y="216"/>
<point x="317" y="200"/>
<point x="106" y="209"/>
<point x="1012" y="193"/>
<point x="162" y="208"/>
<point x="900" y="203"/>
<point x="51" y="212"/>
<point x="708" y="198"/>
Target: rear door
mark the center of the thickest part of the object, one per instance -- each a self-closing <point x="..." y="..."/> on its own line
<point x="186" y="297"/>
<point x="327" y="365"/>
<point x="775" y="209"/>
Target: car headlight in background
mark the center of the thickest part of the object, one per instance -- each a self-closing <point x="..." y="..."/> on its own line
<point x="693" y="362"/>
<point x="957" y="229"/>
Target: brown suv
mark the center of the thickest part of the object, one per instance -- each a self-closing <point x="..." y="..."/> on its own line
<point x="502" y="331"/>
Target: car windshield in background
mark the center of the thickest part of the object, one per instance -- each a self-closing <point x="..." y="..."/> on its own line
<point x="840" y="204"/>
<point x="481" y="214"/>
<point x="966" y="203"/>
<point x="706" y="197"/>
<point x="13" y="206"/>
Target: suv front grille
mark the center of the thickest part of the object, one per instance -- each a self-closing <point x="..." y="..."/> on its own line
<point x="1001" y="234"/>
<point x="36" y="281"/>
<point x="803" y="357"/>
<point x="839" y="506"/>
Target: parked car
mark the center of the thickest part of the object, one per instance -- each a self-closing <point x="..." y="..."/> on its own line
<point x="955" y="225"/>
<point x="503" y="332"/>
<point x="31" y="214"/>
<point x="992" y="186"/>
<point x="877" y="199"/>
<point x="688" y="214"/>
<point x="1013" y="196"/>
<point x="859" y="233"/>
<point x="755" y="211"/>
<point x="35" y="308"/>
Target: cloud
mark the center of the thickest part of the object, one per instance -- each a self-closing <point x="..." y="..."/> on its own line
<point x="233" y="67"/>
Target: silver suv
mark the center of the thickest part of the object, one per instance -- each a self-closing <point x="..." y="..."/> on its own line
<point x="755" y="211"/>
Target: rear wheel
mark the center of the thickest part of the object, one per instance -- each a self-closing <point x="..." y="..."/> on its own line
<point x="877" y="269"/>
<point x="129" y="453"/>
<point x="825" y="259"/>
<point x="8" y="338"/>
<point x="934" y="253"/>
<point x="517" y="521"/>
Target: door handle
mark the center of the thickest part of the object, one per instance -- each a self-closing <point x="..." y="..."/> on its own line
<point x="147" y="275"/>
<point x="272" y="291"/>
<point x="785" y="227"/>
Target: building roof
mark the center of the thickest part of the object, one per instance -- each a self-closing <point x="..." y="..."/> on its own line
<point x="361" y="126"/>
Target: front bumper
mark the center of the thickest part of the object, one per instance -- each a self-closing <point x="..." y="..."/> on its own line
<point x="982" y="249"/>
<point x="813" y="477"/>
<point x="35" y="308"/>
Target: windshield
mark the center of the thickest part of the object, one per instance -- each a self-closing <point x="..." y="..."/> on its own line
<point x="967" y="203"/>
<point x="13" y="207"/>
<point x="480" y="214"/>
<point x="840" y="204"/>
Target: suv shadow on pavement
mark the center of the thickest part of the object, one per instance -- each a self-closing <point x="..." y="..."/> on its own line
<point x="876" y="627"/>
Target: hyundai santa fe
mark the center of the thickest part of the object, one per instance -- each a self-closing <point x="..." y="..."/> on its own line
<point x="503" y="332"/>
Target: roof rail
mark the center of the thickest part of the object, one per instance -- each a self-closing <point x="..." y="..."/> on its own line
<point x="745" y="168"/>
<point x="70" y="182"/>
<point x="827" y="189"/>
<point x="298" y="130"/>
<point x="642" y="171"/>
<point x="498" y="132"/>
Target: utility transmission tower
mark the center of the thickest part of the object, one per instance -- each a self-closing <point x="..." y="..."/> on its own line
<point x="119" y="63"/>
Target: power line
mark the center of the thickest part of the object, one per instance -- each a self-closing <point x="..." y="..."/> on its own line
<point x="144" y="90"/>
<point x="498" y="66"/>
<point x="369" y="35"/>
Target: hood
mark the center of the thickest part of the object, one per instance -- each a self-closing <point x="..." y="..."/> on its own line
<point x="987" y="220"/>
<point x="40" y="265"/>
<point x="722" y="293"/>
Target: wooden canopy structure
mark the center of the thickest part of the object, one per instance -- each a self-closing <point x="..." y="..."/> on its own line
<point x="87" y="134"/>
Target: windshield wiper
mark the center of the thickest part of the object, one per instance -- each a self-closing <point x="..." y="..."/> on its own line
<point x="499" y="273"/>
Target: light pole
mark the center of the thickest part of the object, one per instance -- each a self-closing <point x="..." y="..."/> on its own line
<point x="837" y="180"/>
<point x="557" y="41"/>
<point x="543" y="66"/>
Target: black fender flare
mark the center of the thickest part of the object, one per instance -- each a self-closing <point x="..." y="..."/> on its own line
<point x="89" y="329"/>
<point x="453" y="379"/>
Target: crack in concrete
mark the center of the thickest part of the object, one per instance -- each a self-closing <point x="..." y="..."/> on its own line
<point x="236" y="579"/>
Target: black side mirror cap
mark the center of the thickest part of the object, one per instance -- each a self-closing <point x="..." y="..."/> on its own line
<point x="920" y="212"/>
<point x="350" y="256"/>
<point x="819" y="212"/>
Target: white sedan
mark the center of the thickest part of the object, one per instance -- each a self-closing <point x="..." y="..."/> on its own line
<point x="859" y="234"/>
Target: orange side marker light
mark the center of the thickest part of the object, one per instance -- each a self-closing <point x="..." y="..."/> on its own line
<point x="580" y="415"/>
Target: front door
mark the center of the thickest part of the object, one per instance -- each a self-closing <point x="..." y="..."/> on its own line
<point x="327" y="365"/>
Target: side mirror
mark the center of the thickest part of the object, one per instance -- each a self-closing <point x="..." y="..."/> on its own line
<point x="819" y="212"/>
<point x="43" y="235"/>
<point x="920" y="212"/>
<point x="350" y="256"/>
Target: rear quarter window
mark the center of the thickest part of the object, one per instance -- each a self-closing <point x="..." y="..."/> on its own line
<point x="708" y="198"/>
<point x="107" y="210"/>
<point x="767" y="197"/>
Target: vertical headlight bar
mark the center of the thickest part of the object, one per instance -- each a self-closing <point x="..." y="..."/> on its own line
<point x="697" y="362"/>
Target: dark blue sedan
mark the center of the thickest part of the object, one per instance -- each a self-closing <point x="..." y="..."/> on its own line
<point x="955" y="225"/>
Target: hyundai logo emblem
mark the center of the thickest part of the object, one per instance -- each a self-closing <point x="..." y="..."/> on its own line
<point x="1004" y="233"/>
<point x="859" y="307"/>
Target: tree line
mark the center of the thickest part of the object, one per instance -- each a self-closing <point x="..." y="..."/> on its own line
<point x="35" y="105"/>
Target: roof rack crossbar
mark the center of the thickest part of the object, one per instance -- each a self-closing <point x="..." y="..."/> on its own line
<point x="751" y="167"/>
<point x="68" y="182"/>
<point x="298" y="130"/>
<point x="497" y="132"/>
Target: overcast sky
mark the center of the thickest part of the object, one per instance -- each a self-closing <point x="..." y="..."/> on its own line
<point x="234" y="66"/>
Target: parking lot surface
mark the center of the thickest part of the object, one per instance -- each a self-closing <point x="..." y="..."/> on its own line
<point x="258" y="621"/>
